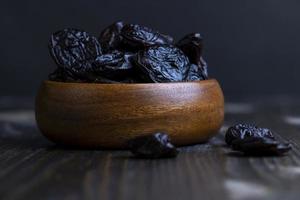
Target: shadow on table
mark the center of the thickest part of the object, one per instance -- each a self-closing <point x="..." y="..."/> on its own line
<point x="235" y="154"/>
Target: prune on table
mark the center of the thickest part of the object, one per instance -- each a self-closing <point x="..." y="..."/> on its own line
<point x="164" y="63"/>
<point x="110" y="38"/>
<point x="157" y="145"/>
<point x="115" y="65"/>
<point x="73" y="50"/>
<point x="192" y="46"/>
<point x="137" y="37"/>
<point x="253" y="140"/>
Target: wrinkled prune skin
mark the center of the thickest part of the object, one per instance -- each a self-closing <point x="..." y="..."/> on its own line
<point x="64" y="74"/>
<point x="203" y="67"/>
<point x="73" y="50"/>
<point x="61" y="75"/>
<point x="115" y="65"/>
<point x="101" y="79"/>
<point x="195" y="73"/>
<point x="163" y="63"/>
<point x="110" y="38"/>
<point x="253" y="140"/>
<point x="126" y="53"/>
<point x="136" y="37"/>
<point x="192" y="46"/>
<point x="157" y="145"/>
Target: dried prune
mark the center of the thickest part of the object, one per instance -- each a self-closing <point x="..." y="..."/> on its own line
<point x="110" y="38"/>
<point x="192" y="46"/>
<point x="115" y="66"/>
<point x="136" y="37"/>
<point x="73" y="50"/>
<point x="157" y="145"/>
<point x="126" y="53"/>
<point x="253" y="140"/>
<point x="102" y="79"/>
<point x="195" y="73"/>
<point x="164" y="63"/>
<point x="61" y="75"/>
<point x="203" y="67"/>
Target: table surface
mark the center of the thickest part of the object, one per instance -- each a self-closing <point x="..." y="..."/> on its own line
<point x="34" y="168"/>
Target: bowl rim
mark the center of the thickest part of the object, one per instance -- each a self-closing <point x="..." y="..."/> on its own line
<point x="210" y="80"/>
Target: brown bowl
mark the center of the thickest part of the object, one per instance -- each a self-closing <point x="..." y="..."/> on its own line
<point x="107" y="115"/>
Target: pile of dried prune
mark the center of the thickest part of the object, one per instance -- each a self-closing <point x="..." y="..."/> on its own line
<point x="157" y="145"/>
<point x="252" y="140"/>
<point x="126" y="53"/>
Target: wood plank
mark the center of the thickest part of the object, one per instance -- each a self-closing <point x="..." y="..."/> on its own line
<point x="32" y="168"/>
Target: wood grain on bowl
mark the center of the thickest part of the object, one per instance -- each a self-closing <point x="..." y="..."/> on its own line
<point x="107" y="115"/>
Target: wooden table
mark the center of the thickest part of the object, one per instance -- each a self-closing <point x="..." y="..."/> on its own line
<point x="33" y="168"/>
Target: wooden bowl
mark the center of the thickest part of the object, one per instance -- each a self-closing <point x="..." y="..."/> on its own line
<point x="107" y="115"/>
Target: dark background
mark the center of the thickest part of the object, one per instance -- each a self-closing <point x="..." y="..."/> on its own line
<point x="252" y="47"/>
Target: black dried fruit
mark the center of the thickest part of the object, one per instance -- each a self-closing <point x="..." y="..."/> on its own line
<point x="61" y="75"/>
<point x="162" y="64"/>
<point x="115" y="65"/>
<point x="203" y="67"/>
<point x="136" y="37"/>
<point x="253" y="140"/>
<point x="192" y="46"/>
<point x="126" y="53"/>
<point x="195" y="73"/>
<point x="73" y="50"/>
<point x="110" y="38"/>
<point x="101" y="79"/>
<point x="152" y="146"/>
